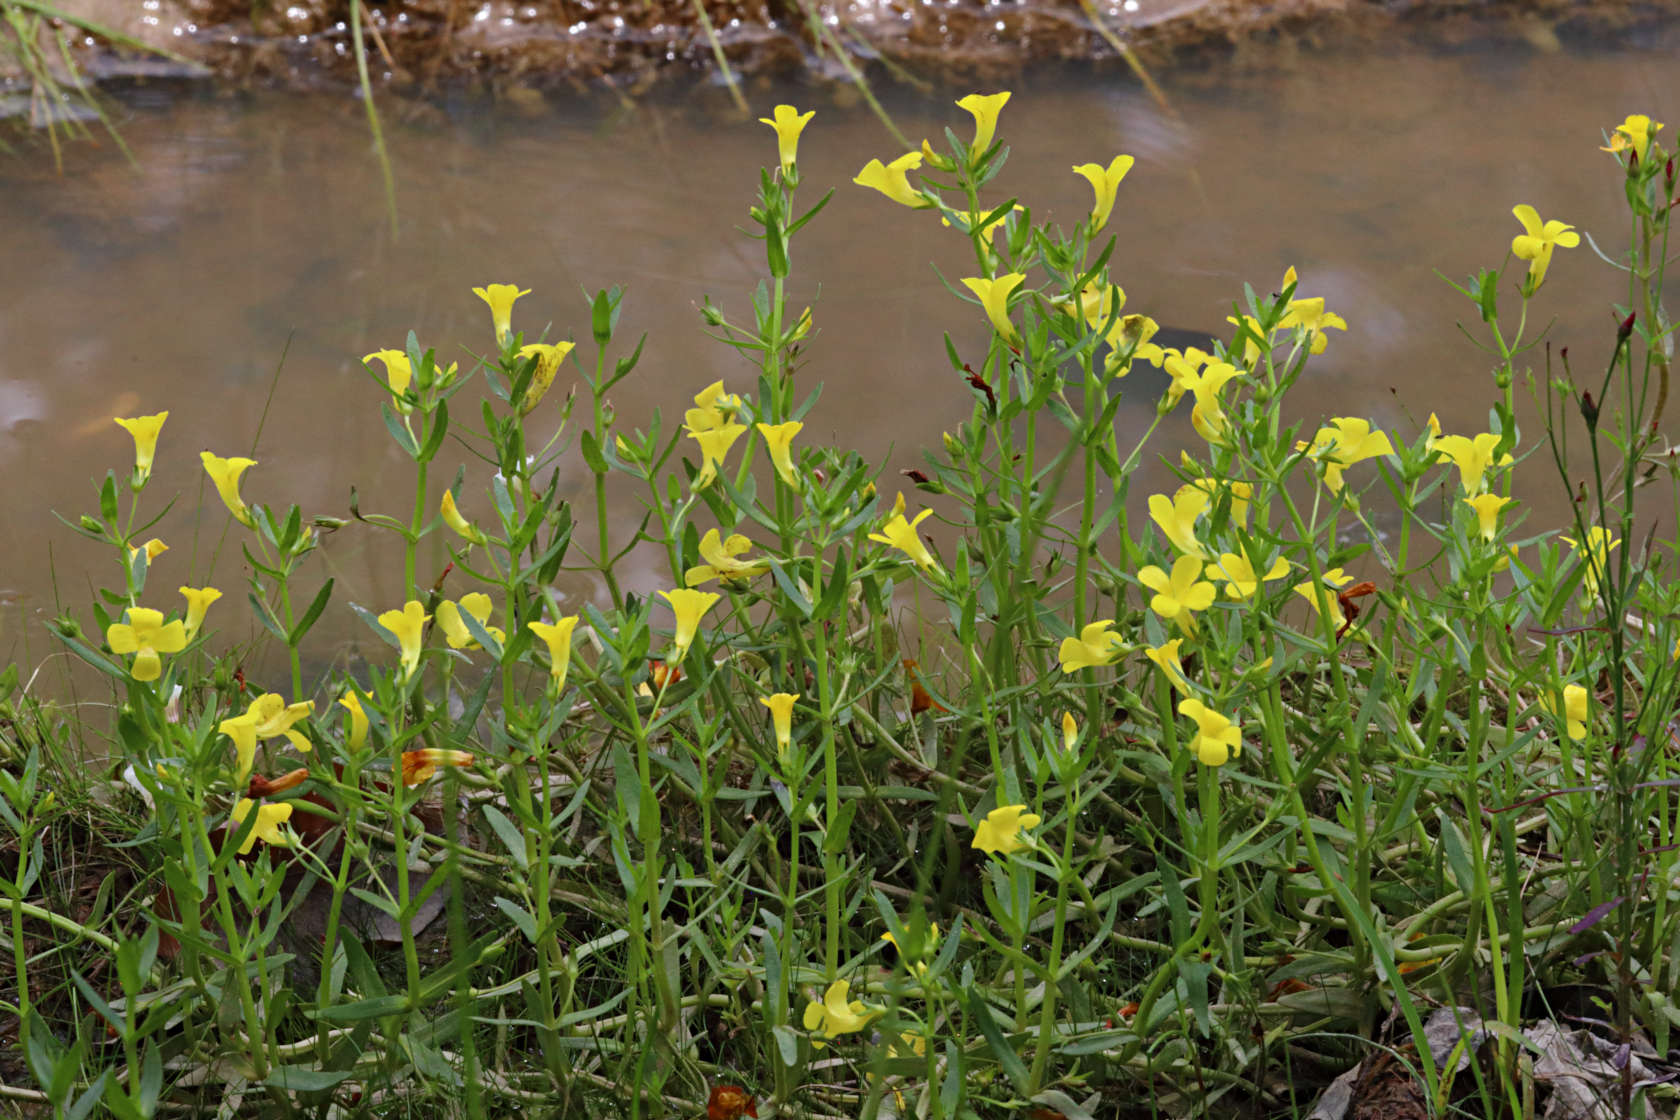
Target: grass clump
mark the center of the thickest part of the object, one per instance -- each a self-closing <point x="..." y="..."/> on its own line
<point x="1082" y="806"/>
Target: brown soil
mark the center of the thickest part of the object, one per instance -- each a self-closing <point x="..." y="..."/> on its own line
<point x="629" y="44"/>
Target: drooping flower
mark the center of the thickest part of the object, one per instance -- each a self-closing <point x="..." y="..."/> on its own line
<point x="1595" y="557"/>
<point x="1334" y="579"/>
<point x="1487" y="507"/>
<point x="1241" y="581"/>
<point x="689" y="606"/>
<point x="152" y="548"/>
<point x="1472" y="456"/>
<point x="1636" y="132"/>
<point x="714" y="445"/>
<point x="1538" y="239"/>
<point x="901" y="534"/>
<point x="1573" y="711"/>
<point x="225" y="473"/>
<point x="145" y="431"/>
<point x="270" y="818"/>
<point x="419" y="765"/>
<point x="549" y="356"/>
<point x="892" y="180"/>
<point x="1346" y="441"/>
<point x="1097" y="645"/>
<point x="835" y="1015"/>
<point x="475" y="603"/>
<point x="1208" y="416"/>
<point x="778" y="440"/>
<point x="1105" y="184"/>
<point x="501" y="299"/>
<point x="452" y="517"/>
<point x="720" y="560"/>
<point x="1166" y="657"/>
<point x="198" y="604"/>
<point x="730" y="1102"/>
<point x="1177" y="518"/>
<point x="1217" y="739"/>
<point x="1309" y="315"/>
<point x="1000" y="833"/>
<point x="993" y="295"/>
<point x="399" y="373"/>
<point x="985" y="109"/>
<point x="1178" y="596"/>
<point x="242" y="729"/>
<point x="407" y="626"/>
<point x="358" y="719"/>
<point x="1070" y="731"/>
<point x="145" y="634"/>
<point x="788" y="123"/>
<point x="781" y="715"/>
<point x="558" y="637"/>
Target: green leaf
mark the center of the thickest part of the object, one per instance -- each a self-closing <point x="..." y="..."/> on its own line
<point x="520" y="916"/>
<point x="511" y="838"/>
<point x="304" y="1079"/>
<point x="363" y="1009"/>
<point x="981" y="1013"/>
<point x="591" y="449"/>
<point x="790" y="588"/>
<point x="399" y="431"/>
<point x="266" y="616"/>
<point x="316" y="606"/>
<point x="435" y="434"/>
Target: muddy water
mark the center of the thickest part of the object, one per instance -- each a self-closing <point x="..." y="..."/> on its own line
<point x="253" y="230"/>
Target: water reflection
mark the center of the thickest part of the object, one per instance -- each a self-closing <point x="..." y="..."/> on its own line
<point x="254" y="228"/>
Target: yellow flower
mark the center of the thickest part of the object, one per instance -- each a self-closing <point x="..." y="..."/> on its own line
<point x="358" y="719"/>
<point x="1217" y="738"/>
<point x="1334" y="578"/>
<point x="399" y="372"/>
<point x="1254" y="341"/>
<point x="501" y="298"/>
<point x="720" y="560"/>
<point x="1206" y="385"/>
<point x="778" y="440"/>
<point x="1166" y="657"/>
<point x="901" y="534"/>
<point x="1636" y="133"/>
<point x="1070" y="731"/>
<point x="1348" y="440"/>
<point x="1597" y="559"/>
<point x="1097" y="645"/>
<point x="1472" y="456"/>
<point x="781" y="715"/>
<point x="912" y="1043"/>
<point x="1105" y="183"/>
<point x="271" y="717"/>
<point x="688" y="606"/>
<point x="477" y="604"/>
<point x="1241" y="494"/>
<point x="1487" y="507"/>
<point x="1000" y="832"/>
<point x="242" y="729"/>
<point x="835" y="1016"/>
<point x="558" y="636"/>
<point x="1177" y="518"/>
<point x="225" y="473"/>
<point x="985" y="109"/>
<point x="549" y="356"/>
<point x="267" y="829"/>
<point x="1179" y="596"/>
<point x="994" y="297"/>
<point x="152" y="548"/>
<point x="145" y="430"/>
<point x="1241" y="581"/>
<point x="1182" y="367"/>
<point x="452" y="518"/>
<point x="712" y="409"/>
<point x="406" y="626"/>
<point x="1537" y="240"/>
<point x="419" y="765"/>
<point x="892" y="181"/>
<point x="989" y="229"/>
<point x="1573" y="711"/>
<point x="1309" y="315"/>
<point x="714" y="445"/>
<point x="788" y="123"/>
<point x="145" y="635"/>
<point x="198" y="604"/>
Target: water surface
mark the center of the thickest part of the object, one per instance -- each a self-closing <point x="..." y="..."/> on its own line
<point x="255" y="227"/>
